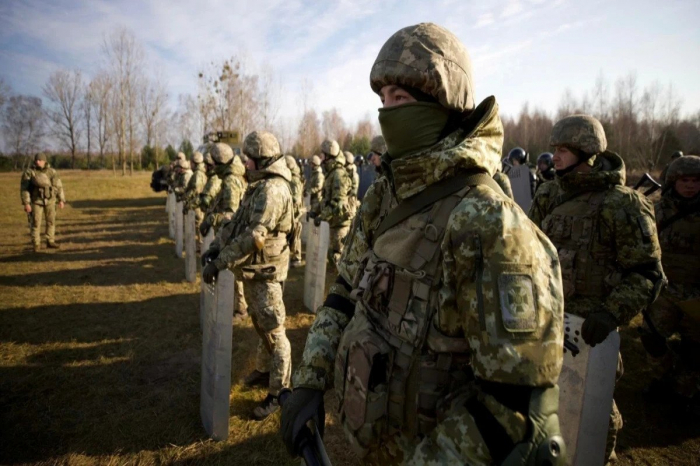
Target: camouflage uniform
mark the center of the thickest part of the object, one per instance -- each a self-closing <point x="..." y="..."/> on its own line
<point x="314" y="188"/>
<point x="40" y="188"/>
<point x="182" y="179"/>
<point x="678" y="222"/>
<point x="604" y="232"/>
<point x="297" y="186"/>
<point x="504" y="182"/>
<point x="254" y="245"/>
<point x="335" y="205"/>
<point x="195" y="187"/>
<point x="428" y="333"/>
<point x="355" y="183"/>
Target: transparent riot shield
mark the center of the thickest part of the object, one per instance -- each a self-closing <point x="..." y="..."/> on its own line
<point x="315" y="274"/>
<point x="179" y="230"/>
<point x="190" y="248"/>
<point x="520" y="182"/>
<point x="586" y="386"/>
<point x="216" y="355"/>
<point x="171" y="215"/>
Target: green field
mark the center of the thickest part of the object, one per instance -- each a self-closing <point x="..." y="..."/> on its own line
<point x="100" y="345"/>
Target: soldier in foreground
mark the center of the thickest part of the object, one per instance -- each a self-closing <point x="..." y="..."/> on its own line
<point x="314" y="188"/>
<point x="335" y="204"/>
<point x="605" y="235"/>
<point x="662" y="178"/>
<point x="297" y="186"/>
<point x="195" y="186"/>
<point x="40" y="188"/>
<point x="442" y="334"/>
<point x="230" y="170"/>
<point x="254" y="245"/>
<point x="678" y="307"/>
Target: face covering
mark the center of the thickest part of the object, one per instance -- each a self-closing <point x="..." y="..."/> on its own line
<point x="411" y="128"/>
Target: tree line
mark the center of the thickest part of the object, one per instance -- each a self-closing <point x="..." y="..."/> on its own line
<point x="124" y="119"/>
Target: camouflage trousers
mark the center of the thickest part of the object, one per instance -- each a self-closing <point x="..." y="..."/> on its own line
<point x="274" y="353"/>
<point x="335" y="243"/>
<point x="48" y="212"/>
<point x="296" y="251"/>
<point x="616" y="423"/>
<point x="198" y="219"/>
<point x="240" y="305"/>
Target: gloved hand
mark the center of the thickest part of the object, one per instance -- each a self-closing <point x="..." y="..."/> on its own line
<point x="209" y="273"/>
<point x="317" y="221"/>
<point x="597" y="327"/>
<point x="312" y="214"/>
<point x="301" y="406"/>
<point x="204" y="227"/>
<point x="209" y="256"/>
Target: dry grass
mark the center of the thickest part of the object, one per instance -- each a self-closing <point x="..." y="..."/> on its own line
<point x="100" y="344"/>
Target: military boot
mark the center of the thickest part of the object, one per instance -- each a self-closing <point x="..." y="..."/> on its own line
<point x="257" y="379"/>
<point x="268" y="406"/>
<point x="52" y="245"/>
<point x="37" y="247"/>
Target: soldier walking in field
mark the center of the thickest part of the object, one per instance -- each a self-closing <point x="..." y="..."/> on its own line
<point x="40" y="188"/>
<point x="254" y="244"/>
<point x="442" y="334"/>
<point x="605" y="235"/>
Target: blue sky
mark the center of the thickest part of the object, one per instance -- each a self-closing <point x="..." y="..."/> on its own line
<point x="522" y="50"/>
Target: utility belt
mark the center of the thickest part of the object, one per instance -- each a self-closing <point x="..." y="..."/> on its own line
<point x="43" y="193"/>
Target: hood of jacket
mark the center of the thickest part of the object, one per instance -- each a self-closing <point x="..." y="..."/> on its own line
<point x="276" y="168"/>
<point x="608" y="171"/>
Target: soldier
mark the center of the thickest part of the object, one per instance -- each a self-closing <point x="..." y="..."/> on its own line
<point x="604" y="232"/>
<point x="678" y="224"/>
<point x="183" y="173"/>
<point x="172" y="173"/>
<point x="39" y="189"/>
<point x="355" y="182"/>
<point x="314" y="188"/>
<point x="297" y="186"/>
<point x="209" y="194"/>
<point x="230" y="170"/>
<point x="676" y="155"/>
<point x="442" y="334"/>
<point x="518" y="156"/>
<point x="195" y="186"/>
<point x="545" y="168"/>
<point x="254" y="245"/>
<point x="335" y="205"/>
<point x="377" y="148"/>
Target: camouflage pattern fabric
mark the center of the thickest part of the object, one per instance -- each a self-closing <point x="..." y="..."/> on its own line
<point x="504" y="182"/>
<point x="581" y="132"/>
<point x="182" y="179"/>
<point x="335" y="205"/>
<point x="335" y="243"/>
<point x="297" y="187"/>
<point x="315" y="188"/>
<point x="505" y="239"/>
<point x="274" y="353"/>
<point x="233" y="187"/>
<point x="195" y="186"/>
<point x="41" y="188"/>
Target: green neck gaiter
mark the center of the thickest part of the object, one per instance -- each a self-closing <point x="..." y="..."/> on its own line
<point x="411" y="128"/>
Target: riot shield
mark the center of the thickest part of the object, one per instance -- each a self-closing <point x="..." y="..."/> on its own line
<point x="216" y="355"/>
<point x="586" y="386"/>
<point x="179" y="225"/>
<point x="315" y="273"/>
<point x="190" y="248"/>
<point x="520" y="182"/>
<point x="171" y="215"/>
<point x="207" y="240"/>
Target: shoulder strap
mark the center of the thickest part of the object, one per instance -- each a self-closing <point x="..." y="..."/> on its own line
<point x="434" y="193"/>
<point x="678" y="216"/>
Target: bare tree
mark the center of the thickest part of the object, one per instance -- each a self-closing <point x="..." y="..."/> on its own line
<point x="87" y="105"/>
<point x="64" y="90"/>
<point x="23" y="127"/>
<point x="101" y="93"/>
<point x="333" y="125"/>
<point x="270" y="94"/>
<point x="309" y="134"/>
<point x="5" y="92"/>
<point x="152" y="100"/>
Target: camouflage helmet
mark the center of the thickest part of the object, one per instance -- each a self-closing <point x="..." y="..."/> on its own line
<point x="349" y="158"/>
<point x="291" y="164"/>
<point x="221" y="153"/>
<point x="39" y="156"/>
<point x="181" y="156"/>
<point x="688" y="165"/>
<point x="330" y="147"/>
<point x="261" y="145"/>
<point x="378" y="145"/>
<point x="184" y="164"/>
<point x="579" y="132"/>
<point x="316" y="160"/>
<point x="429" y="58"/>
<point x="207" y="158"/>
<point x="197" y="157"/>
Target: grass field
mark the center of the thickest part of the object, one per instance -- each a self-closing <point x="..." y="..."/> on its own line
<point x="100" y="345"/>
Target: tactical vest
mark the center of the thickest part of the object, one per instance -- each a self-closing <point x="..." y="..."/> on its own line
<point x="392" y="366"/>
<point x="680" y="247"/>
<point x="42" y="189"/>
<point x="344" y="214"/>
<point x="587" y="264"/>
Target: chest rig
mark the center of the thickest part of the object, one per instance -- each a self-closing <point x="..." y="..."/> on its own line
<point x="42" y="189"/>
<point x="680" y="246"/>
<point x="392" y="366"/>
<point x="573" y="226"/>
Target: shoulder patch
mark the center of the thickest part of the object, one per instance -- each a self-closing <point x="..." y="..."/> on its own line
<point x="518" y="307"/>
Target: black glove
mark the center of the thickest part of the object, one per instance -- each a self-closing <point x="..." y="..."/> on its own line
<point x="597" y="327"/>
<point x="204" y="227"/>
<point x="317" y="221"/>
<point x="209" y="255"/>
<point x="209" y="273"/>
<point x="312" y="214"/>
<point x="301" y="406"/>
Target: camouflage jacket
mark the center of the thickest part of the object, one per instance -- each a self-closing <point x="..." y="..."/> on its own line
<point x="297" y="187"/>
<point x="195" y="186"/>
<point x="315" y="189"/>
<point x="504" y="182"/>
<point x="210" y="191"/>
<point x="606" y="238"/>
<point x="680" y="243"/>
<point x="233" y="187"/>
<point x="41" y="186"/>
<point x="335" y="204"/>
<point x="486" y="235"/>
<point x="354" y="178"/>
<point x="181" y="182"/>
<point x="254" y="242"/>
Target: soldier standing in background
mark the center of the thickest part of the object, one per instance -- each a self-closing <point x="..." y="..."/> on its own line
<point x="545" y="169"/>
<point x="314" y="188"/>
<point x="209" y="194"/>
<point x="605" y="234"/>
<point x="443" y="332"/>
<point x="518" y="156"/>
<point x="355" y="179"/>
<point x="183" y="173"/>
<point x="335" y="205"/>
<point x="254" y="245"/>
<point x="195" y="186"/>
<point x="678" y="307"/>
<point x="39" y="189"/>
<point x="377" y="148"/>
<point x="297" y="186"/>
